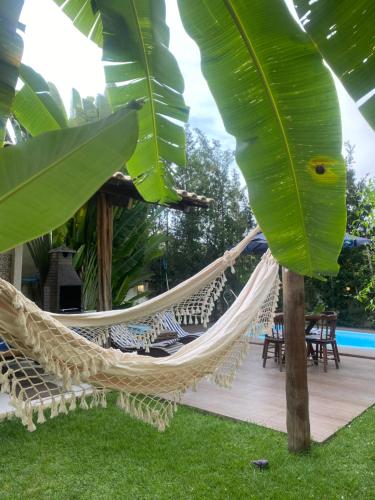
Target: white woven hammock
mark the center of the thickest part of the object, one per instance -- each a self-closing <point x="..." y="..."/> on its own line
<point x="51" y="365"/>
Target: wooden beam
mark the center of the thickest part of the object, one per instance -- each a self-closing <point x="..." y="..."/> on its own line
<point x="104" y="231"/>
<point x="297" y="395"/>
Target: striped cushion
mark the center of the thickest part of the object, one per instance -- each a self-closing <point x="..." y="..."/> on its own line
<point x="3" y="345"/>
<point x="169" y="323"/>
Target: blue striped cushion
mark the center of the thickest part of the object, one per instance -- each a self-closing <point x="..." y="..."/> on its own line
<point x="170" y="324"/>
<point x="3" y="345"/>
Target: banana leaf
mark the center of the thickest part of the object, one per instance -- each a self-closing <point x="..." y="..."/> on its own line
<point x="344" y="34"/>
<point x="57" y="172"/>
<point x="138" y="65"/>
<point x="85" y="18"/>
<point x="11" y="49"/>
<point x="279" y="101"/>
<point x="37" y="106"/>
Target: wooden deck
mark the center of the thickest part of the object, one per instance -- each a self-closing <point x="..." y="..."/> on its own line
<point x="258" y="394"/>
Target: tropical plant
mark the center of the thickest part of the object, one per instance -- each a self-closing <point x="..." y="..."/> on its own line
<point x="11" y="49"/>
<point x="31" y="173"/>
<point x="343" y="32"/>
<point x="36" y="106"/>
<point x="134" y="248"/>
<point x="135" y="37"/>
<point x="274" y="95"/>
<point x="273" y="92"/>
<point x="342" y="292"/>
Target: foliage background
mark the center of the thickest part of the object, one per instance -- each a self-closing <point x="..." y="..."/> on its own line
<point x="197" y="238"/>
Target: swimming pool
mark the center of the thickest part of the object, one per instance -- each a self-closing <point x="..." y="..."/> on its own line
<point x="349" y="338"/>
<point x="357" y="340"/>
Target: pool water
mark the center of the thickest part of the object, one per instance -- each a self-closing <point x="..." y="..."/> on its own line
<point x="359" y="340"/>
<point x="355" y="340"/>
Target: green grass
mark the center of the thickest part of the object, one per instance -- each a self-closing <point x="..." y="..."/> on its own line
<point x="102" y="454"/>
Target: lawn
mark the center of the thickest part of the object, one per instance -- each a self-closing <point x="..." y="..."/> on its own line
<point x="106" y="454"/>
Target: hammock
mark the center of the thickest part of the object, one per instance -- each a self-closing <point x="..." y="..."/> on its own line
<point x="190" y="302"/>
<point x="50" y="365"/>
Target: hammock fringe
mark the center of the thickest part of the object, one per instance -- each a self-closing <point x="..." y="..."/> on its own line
<point x="50" y="364"/>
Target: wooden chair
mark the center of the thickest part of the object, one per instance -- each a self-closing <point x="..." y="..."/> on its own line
<point x="273" y="346"/>
<point x="321" y="343"/>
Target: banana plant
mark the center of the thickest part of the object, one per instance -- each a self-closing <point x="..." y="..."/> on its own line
<point x="32" y="201"/>
<point x="344" y="34"/>
<point x="11" y="49"/>
<point x="266" y="83"/>
<point x="134" y="248"/>
<point x="32" y="173"/>
<point x="138" y="65"/>
<point x="279" y="101"/>
<point x="38" y="106"/>
<point x="273" y="92"/>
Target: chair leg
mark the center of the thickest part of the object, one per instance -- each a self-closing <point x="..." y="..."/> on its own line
<point x="316" y="355"/>
<point x="280" y="356"/>
<point x="264" y="349"/>
<point x="335" y="354"/>
<point x="310" y="350"/>
<point x="265" y="352"/>
<point x="325" y="357"/>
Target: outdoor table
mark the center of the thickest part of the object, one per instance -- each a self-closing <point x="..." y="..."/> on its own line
<point x="310" y="318"/>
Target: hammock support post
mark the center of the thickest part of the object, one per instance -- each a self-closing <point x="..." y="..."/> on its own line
<point x="297" y="396"/>
<point x="104" y="232"/>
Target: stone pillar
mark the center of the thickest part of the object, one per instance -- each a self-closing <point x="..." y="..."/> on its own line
<point x="6" y="266"/>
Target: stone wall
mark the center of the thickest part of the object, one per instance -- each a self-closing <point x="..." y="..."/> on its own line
<point x="6" y="266"/>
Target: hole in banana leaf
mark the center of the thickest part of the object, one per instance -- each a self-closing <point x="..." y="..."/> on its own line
<point x="320" y="169"/>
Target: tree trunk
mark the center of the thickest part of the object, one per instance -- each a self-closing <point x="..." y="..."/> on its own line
<point x="297" y="395"/>
<point x="104" y="232"/>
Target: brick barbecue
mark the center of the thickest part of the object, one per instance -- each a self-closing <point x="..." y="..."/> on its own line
<point x="62" y="291"/>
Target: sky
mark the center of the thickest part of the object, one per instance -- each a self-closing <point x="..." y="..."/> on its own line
<point x="62" y="55"/>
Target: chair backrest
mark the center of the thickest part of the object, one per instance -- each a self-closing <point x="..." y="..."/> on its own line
<point x="327" y="326"/>
<point x="170" y="324"/>
<point x="278" y="326"/>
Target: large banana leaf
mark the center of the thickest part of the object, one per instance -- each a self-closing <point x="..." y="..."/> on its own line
<point x="140" y="66"/>
<point x="38" y="106"/>
<point x="45" y="180"/>
<point x="11" y="48"/>
<point x="345" y="35"/>
<point x="85" y="17"/>
<point x="278" y="100"/>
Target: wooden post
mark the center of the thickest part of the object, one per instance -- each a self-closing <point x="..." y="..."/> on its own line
<point x="17" y="266"/>
<point x="104" y="231"/>
<point x="297" y="395"/>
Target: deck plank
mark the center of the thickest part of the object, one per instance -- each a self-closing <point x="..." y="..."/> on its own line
<point x="258" y="395"/>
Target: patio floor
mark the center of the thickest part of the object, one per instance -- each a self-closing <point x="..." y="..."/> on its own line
<point x="258" y="394"/>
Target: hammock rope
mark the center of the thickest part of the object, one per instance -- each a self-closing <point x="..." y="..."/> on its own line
<point x="190" y="302"/>
<point x="50" y="365"/>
